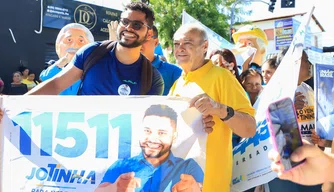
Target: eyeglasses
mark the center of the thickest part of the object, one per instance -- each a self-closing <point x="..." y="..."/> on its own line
<point x="136" y="25"/>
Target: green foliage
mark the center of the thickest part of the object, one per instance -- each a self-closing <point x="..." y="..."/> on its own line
<point x="168" y="14"/>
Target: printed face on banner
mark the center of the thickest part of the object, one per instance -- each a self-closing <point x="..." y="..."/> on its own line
<point x="158" y="135"/>
<point x="50" y="148"/>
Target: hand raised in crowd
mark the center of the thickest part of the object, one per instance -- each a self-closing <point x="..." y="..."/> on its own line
<point x="112" y="27"/>
<point x="126" y="182"/>
<point x="187" y="184"/>
<point x="299" y="101"/>
<point x="317" y="169"/>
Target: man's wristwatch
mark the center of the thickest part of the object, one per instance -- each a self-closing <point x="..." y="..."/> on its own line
<point x="230" y="113"/>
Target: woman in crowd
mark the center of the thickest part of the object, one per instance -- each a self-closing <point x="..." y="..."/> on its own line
<point x="30" y="81"/>
<point x="251" y="80"/>
<point x="17" y="87"/>
<point x="225" y="58"/>
<point x="24" y="72"/>
<point x="268" y="69"/>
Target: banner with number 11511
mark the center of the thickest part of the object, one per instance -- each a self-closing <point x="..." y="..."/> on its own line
<point x="92" y="143"/>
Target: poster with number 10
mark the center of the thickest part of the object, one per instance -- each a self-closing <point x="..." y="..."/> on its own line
<point x="100" y="143"/>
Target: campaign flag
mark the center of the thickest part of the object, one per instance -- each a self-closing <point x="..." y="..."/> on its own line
<point x="71" y="144"/>
<point x="215" y="40"/>
<point x="251" y="164"/>
<point x="324" y="94"/>
<point x="218" y="42"/>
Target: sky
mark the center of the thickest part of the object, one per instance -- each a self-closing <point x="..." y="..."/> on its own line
<point x="323" y="11"/>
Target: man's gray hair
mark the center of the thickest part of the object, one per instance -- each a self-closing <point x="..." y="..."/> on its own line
<point x="63" y="30"/>
<point x="193" y="27"/>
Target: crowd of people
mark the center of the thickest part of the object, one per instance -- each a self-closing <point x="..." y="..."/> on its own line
<point x="223" y="92"/>
<point x="23" y="80"/>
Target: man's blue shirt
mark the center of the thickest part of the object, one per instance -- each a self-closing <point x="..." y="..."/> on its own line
<point x="52" y="71"/>
<point x="158" y="50"/>
<point x="111" y="77"/>
<point x="169" y="72"/>
<point x="155" y="179"/>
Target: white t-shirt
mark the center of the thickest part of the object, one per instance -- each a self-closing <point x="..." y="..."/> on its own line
<point x="306" y="116"/>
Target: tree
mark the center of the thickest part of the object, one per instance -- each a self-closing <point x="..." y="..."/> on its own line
<point x="168" y="14"/>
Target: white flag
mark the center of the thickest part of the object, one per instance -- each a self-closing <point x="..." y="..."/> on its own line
<point x="251" y="164"/>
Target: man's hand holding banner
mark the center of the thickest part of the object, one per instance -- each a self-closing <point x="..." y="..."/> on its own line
<point x="101" y="143"/>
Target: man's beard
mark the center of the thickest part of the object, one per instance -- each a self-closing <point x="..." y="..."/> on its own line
<point x="138" y="42"/>
<point x="160" y="154"/>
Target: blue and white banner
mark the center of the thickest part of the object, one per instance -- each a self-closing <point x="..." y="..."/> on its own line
<point x="68" y="144"/>
<point x="251" y="164"/>
<point x="215" y="40"/>
<point x="324" y="94"/>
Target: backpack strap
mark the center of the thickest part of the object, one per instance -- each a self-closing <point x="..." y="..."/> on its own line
<point x="146" y="76"/>
<point x="104" y="48"/>
<point x="94" y="57"/>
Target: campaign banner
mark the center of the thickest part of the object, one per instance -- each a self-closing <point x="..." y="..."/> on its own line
<point x="70" y="144"/>
<point x="56" y="14"/>
<point x="324" y="94"/>
<point x="283" y="33"/>
<point x="308" y="35"/>
<point x="251" y="166"/>
<point x="317" y="56"/>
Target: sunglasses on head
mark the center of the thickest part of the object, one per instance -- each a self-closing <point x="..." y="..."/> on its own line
<point x="136" y="25"/>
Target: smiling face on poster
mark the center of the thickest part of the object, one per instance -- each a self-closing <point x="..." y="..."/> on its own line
<point x="76" y="149"/>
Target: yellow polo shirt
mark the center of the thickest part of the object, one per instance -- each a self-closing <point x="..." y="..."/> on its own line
<point x="224" y="88"/>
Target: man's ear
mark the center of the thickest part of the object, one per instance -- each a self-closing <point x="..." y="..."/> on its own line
<point x="149" y="34"/>
<point x="206" y="45"/>
<point x="156" y="42"/>
<point x="262" y="50"/>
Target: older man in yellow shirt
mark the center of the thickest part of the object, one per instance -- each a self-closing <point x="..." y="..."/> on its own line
<point x="219" y="97"/>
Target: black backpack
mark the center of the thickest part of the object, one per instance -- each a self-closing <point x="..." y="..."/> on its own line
<point x="104" y="48"/>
